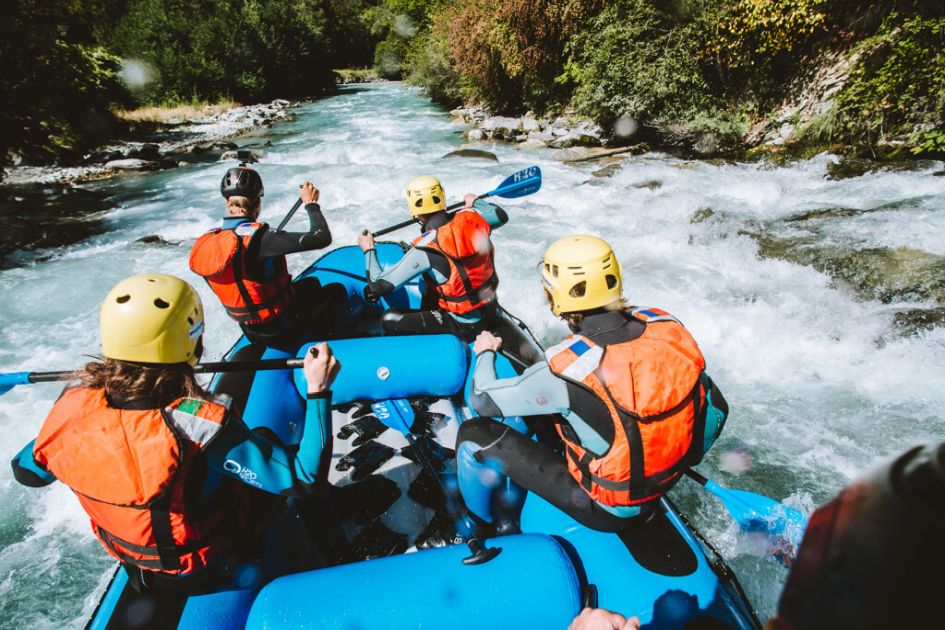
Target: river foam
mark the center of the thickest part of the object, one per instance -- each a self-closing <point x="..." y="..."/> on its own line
<point x="820" y="385"/>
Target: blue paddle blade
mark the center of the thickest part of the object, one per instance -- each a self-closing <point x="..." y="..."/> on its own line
<point x="10" y="380"/>
<point x="396" y="414"/>
<point x="520" y="184"/>
<point x="754" y="513"/>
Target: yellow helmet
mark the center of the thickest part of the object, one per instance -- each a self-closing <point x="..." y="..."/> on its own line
<point x="580" y="272"/>
<point x="151" y="318"/>
<point x="425" y="195"/>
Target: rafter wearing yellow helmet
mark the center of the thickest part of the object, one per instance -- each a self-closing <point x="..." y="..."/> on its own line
<point x="580" y="273"/>
<point x="425" y="195"/>
<point x="151" y="318"/>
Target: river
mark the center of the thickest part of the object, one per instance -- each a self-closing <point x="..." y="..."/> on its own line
<point x="817" y="302"/>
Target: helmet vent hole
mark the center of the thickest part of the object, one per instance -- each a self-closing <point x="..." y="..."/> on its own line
<point x="554" y="270"/>
<point x="436" y="199"/>
<point x="611" y="281"/>
<point x="418" y="203"/>
<point x="190" y="320"/>
<point x="158" y="302"/>
<point x="578" y="290"/>
<point x="121" y="299"/>
<point x="151" y="280"/>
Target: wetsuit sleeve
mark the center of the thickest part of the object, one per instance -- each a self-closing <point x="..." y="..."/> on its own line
<point x="273" y="242"/>
<point x="28" y="471"/>
<point x="414" y="263"/>
<point x="715" y="415"/>
<point x="495" y="216"/>
<point x="535" y="391"/>
<point x="252" y="459"/>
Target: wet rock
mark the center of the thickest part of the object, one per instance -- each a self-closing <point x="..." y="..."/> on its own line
<point x="913" y="322"/>
<point x="478" y="154"/>
<point x="475" y="135"/>
<point x="707" y="144"/>
<point x="530" y="125"/>
<point x="939" y="174"/>
<point x="583" y="154"/>
<point x="532" y="143"/>
<point x="702" y="214"/>
<point x="651" y="184"/>
<point x="880" y="273"/>
<point x="607" y="171"/>
<point x="132" y="164"/>
<point x="541" y="136"/>
<point x="149" y="152"/>
<point x="586" y="134"/>
<point x="502" y="126"/>
<point x="154" y="239"/>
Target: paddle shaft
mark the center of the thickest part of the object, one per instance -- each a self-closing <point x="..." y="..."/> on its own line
<point x="403" y="224"/>
<point x="202" y="368"/>
<point x="288" y="217"/>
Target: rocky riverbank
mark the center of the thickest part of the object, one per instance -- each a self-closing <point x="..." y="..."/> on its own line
<point x="163" y="145"/>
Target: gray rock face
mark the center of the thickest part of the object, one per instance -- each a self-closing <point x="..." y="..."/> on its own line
<point x="530" y="125"/>
<point x="133" y="164"/>
<point x="502" y="126"/>
<point x="475" y="135"/>
<point x="707" y="144"/>
<point x="473" y="153"/>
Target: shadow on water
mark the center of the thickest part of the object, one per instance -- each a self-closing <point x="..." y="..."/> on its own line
<point x="41" y="217"/>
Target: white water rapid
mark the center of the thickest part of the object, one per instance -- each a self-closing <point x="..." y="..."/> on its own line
<point x="821" y="383"/>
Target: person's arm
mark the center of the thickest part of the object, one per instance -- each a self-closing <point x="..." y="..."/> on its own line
<point x="278" y="243"/>
<point x="28" y="471"/>
<point x="495" y="216"/>
<point x="536" y="391"/>
<point x="252" y="459"/>
<point x="383" y="281"/>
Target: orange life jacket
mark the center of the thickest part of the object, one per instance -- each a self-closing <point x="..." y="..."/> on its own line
<point x="653" y="389"/>
<point x="465" y="243"/>
<point x="219" y="256"/>
<point x="129" y="470"/>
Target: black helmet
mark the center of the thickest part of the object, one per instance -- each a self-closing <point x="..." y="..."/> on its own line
<point x="242" y="182"/>
<point x="874" y="556"/>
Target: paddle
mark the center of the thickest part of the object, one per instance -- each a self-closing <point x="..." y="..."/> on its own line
<point x="10" y="380"/>
<point x="398" y="415"/>
<point x="520" y="184"/>
<point x="288" y="217"/>
<point x="784" y="526"/>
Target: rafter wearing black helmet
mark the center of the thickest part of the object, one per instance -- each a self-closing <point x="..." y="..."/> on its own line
<point x="244" y="263"/>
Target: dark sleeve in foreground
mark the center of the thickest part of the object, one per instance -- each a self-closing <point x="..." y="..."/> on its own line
<point x="275" y="242"/>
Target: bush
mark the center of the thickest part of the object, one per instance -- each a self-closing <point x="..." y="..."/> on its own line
<point x="898" y="82"/>
<point x="635" y="60"/>
<point x="510" y="53"/>
<point x="429" y="61"/>
<point x="56" y="93"/>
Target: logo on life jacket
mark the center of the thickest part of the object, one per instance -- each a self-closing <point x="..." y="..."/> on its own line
<point x="652" y="388"/>
<point x="465" y="243"/>
<point x="129" y="470"/>
<point x="219" y="256"/>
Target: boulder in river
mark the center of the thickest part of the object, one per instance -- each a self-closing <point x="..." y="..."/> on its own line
<point x="133" y="164"/>
<point x="478" y="154"/>
<point x="154" y="239"/>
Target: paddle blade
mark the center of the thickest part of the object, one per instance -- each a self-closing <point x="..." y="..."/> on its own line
<point x="520" y="184"/>
<point x="784" y="526"/>
<point x="396" y="414"/>
<point x="12" y="379"/>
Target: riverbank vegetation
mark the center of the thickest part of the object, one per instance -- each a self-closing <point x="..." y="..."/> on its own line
<point x="861" y="77"/>
<point x="70" y="64"/>
<point x="686" y="68"/>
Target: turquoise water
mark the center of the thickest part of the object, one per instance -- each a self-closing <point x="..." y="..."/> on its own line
<point x="821" y="384"/>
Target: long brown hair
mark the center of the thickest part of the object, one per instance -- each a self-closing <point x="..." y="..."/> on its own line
<point x="160" y="385"/>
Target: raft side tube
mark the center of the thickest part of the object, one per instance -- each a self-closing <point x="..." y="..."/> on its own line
<point x="531" y="584"/>
<point x="382" y="368"/>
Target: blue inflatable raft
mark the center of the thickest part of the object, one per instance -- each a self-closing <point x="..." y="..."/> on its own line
<point x="401" y="568"/>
